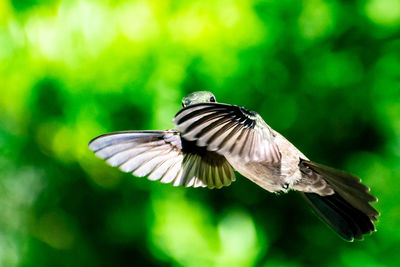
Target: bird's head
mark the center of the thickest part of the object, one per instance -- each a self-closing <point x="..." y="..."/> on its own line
<point x="198" y="97"/>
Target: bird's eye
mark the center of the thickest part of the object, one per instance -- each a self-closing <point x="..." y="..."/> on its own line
<point x="212" y="99"/>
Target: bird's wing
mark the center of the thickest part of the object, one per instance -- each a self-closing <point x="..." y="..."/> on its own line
<point x="228" y="130"/>
<point x="159" y="155"/>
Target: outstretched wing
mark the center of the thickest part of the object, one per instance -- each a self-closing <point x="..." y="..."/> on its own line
<point x="160" y="156"/>
<point x="228" y="130"/>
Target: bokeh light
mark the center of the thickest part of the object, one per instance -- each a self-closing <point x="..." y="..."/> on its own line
<point x="323" y="73"/>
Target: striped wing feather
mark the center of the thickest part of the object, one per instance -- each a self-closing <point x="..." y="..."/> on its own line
<point x="228" y="130"/>
<point x="159" y="156"/>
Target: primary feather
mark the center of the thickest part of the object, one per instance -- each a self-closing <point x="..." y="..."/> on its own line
<point x="162" y="155"/>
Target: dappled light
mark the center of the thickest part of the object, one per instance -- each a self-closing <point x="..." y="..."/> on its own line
<point x="325" y="74"/>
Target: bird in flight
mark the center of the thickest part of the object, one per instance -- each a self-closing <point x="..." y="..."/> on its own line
<point x="213" y="140"/>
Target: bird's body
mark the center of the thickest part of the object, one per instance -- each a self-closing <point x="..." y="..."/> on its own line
<point x="211" y="140"/>
<point x="274" y="177"/>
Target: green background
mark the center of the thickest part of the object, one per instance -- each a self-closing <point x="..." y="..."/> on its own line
<point x="325" y="74"/>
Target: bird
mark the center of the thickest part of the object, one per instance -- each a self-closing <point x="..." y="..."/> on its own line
<point x="212" y="140"/>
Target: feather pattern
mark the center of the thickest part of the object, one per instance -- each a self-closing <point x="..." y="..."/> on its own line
<point x="229" y="130"/>
<point x="347" y="207"/>
<point x="161" y="155"/>
<point x="347" y="186"/>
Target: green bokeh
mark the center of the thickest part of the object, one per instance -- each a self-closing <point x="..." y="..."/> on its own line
<point x="326" y="74"/>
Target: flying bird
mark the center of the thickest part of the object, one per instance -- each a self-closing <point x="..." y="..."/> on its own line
<point x="213" y="140"/>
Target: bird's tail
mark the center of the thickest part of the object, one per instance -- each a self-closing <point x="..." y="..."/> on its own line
<point x="348" y="210"/>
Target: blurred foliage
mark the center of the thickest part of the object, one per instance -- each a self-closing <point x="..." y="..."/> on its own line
<point x="326" y="74"/>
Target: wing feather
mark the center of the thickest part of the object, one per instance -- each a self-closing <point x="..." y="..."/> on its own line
<point x="159" y="155"/>
<point x="229" y="130"/>
<point x="173" y="174"/>
<point x="159" y="171"/>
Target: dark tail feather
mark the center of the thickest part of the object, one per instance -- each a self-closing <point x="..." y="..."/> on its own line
<point x="348" y="210"/>
<point x="347" y="221"/>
